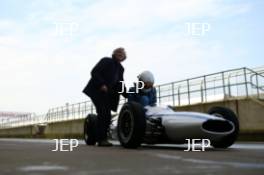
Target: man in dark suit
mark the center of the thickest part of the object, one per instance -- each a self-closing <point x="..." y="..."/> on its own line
<point x="103" y="88"/>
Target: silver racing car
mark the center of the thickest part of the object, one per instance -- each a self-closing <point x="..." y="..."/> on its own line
<point x="156" y="125"/>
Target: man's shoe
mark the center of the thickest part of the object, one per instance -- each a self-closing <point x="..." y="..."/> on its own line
<point x="104" y="143"/>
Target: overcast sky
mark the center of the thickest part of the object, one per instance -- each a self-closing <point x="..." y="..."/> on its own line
<point x="48" y="47"/>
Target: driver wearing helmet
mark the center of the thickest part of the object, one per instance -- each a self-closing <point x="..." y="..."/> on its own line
<point x="147" y="95"/>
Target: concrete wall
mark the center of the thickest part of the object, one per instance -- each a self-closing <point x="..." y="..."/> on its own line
<point x="25" y="131"/>
<point x="250" y="113"/>
<point x="66" y="129"/>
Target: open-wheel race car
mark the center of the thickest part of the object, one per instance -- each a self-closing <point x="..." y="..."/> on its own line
<point x="156" y="125"/>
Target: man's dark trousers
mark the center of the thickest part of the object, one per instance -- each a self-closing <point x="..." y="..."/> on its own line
<point x="103" y="109"/>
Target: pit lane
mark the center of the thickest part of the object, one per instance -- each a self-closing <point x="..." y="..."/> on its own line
<point x="34" y="157"/>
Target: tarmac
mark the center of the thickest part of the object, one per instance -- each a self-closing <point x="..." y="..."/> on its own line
<point x="35" y="157"/>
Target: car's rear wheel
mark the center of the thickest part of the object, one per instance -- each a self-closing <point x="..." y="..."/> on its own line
<point x="131" y="125"/>
<point x="229" y="115"/>
<point x="90" y="129"/>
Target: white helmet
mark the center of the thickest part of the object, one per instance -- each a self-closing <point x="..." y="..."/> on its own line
<point x="146" y="76"/>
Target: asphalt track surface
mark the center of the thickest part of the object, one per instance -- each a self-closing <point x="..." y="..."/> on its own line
<point x="35" y="157"/>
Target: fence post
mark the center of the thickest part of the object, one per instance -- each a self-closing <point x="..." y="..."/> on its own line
<point x="85" y="106"/>
<point x="53" y="115"/>
<point x="188" y="89"/>
<point x="257" y="83"/>
<point x="229" y="89"/>
<point x="173" y="97"/>
<point x="214" y="85"/>
<point x="62" y="113"/>
<point x="67" y="110"/>
<point x="205" y="88"/>
<point x="58" y="116"/>
<point x="202" y="95"/>
<point x="79" y="109"/>
<point x="179" y="97"/>
<point x="223" y="80"/>
<point x="73" y="112"/>
<point x="159" y="95"/>
<point x="246" y="83"/>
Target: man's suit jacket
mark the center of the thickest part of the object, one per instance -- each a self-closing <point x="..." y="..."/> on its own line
<point x="107" y="72"/>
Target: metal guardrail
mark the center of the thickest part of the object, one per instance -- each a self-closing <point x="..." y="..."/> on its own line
<point x="218" y="86"/>
<point x="29" y="119"/>
<point x="242" y="82"/>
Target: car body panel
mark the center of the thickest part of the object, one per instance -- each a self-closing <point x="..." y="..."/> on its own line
<point x="178" y="126"/>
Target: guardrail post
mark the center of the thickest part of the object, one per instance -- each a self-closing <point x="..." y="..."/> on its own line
<point x="246" y="83"/>
<point x="57" y="116"/>
<point x="79" y="110"/>
<point x="53" y="118"/>
<point x="188" y="89"/>
<point x="223" y="80"/>
<point x="173" y="94"/>
<point x="202" y="98"/>
<point x="159" y="95"/>
<point x="257" y="83"/>
<point x="229" y="88"/>
<point x="85" y="107"/>
<point x="205" y="88"/>
<point x="179" y="97"/>
<point x="67" y="110"/>
<point x="214" y="85"/>
<point x="73" y="111"/>
<point x="62" y="113"/>
<point x="237" y="90"/>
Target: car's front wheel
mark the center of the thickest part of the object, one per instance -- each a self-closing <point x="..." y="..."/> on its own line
<point x="131" y="125"/>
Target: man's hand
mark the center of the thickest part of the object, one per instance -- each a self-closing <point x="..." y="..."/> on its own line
<point x="104" y="88"/>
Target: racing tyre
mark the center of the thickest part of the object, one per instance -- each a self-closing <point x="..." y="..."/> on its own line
<point x="131" y="125"/>
<point x="229" y="115"/>
<point x="90" y="129"/>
